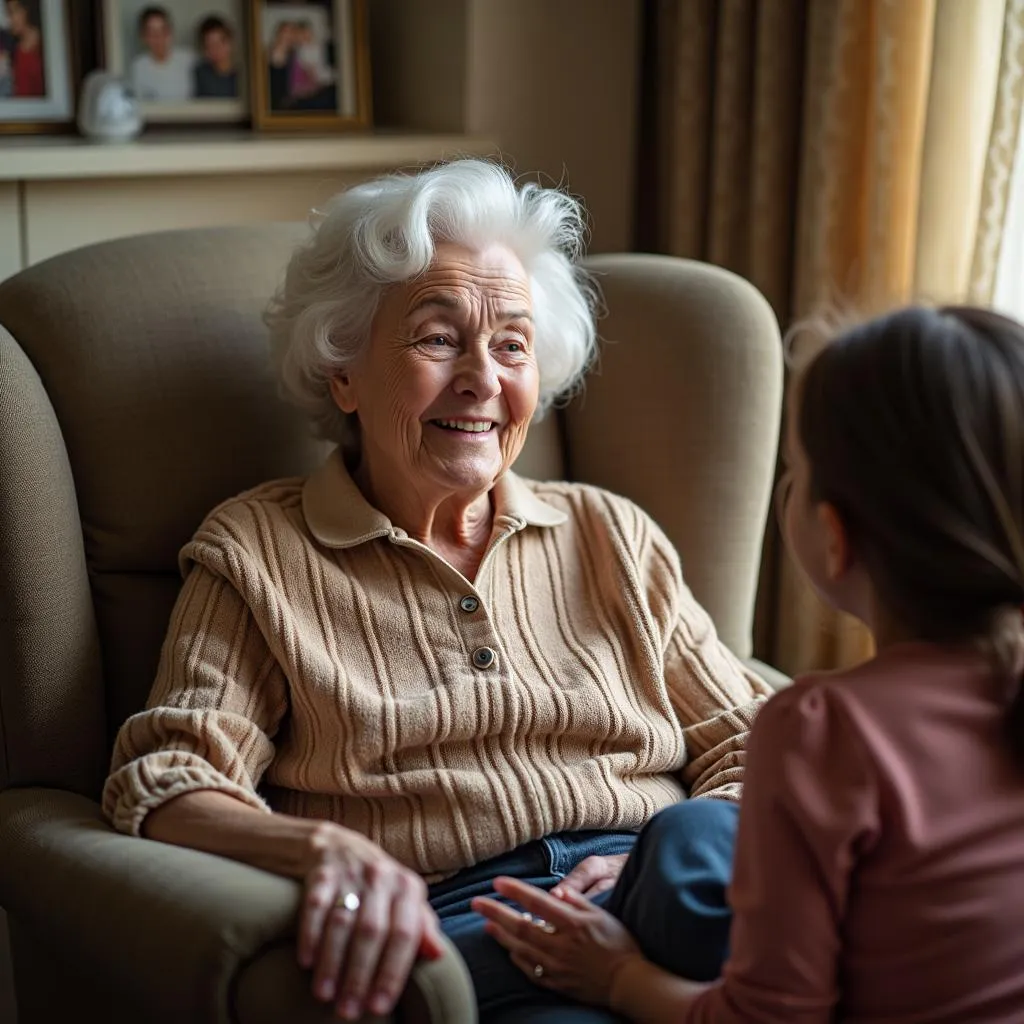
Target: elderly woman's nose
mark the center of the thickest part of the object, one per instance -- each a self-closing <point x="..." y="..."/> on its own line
<point x="477" y="375"/>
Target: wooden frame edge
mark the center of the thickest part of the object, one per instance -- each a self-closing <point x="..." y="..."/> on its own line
<point x="264" y="120"/>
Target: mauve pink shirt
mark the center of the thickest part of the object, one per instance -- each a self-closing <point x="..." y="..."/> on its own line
<point x="879" y="871"/>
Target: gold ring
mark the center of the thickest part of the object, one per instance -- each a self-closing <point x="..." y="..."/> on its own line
<point x="348" y="901"/>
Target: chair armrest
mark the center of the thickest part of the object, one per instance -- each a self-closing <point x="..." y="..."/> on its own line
<point x="173" y="929"/>
<point x="772" y="676"/>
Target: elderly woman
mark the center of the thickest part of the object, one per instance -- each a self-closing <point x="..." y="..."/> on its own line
<point x="415" y="671"/>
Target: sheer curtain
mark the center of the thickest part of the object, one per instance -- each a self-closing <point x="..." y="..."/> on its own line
<point x="997" y="272"/>
<point x="1008" y="289"/>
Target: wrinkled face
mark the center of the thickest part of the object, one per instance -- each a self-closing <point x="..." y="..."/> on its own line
<point x="217" y="47"/>
<point x="449" y="383"/>
<point x="156" y="36"/>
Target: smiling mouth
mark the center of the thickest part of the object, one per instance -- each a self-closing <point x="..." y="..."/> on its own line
<point x="465" y="426"/>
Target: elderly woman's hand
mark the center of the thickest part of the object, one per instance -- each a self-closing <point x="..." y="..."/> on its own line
<point x="365" y="919"/>
<point x="566" y="944"/>
<point x="592" y="876"/>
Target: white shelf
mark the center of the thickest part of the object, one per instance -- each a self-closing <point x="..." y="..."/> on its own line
<point x="37" y="158"/>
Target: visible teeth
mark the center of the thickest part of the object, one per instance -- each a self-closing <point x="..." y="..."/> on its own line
<point x="471" y="426"/>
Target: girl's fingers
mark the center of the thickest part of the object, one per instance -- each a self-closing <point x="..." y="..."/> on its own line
<point x="555" y="911"/>
<point x="514" y="945"/>
<point x="499" y="913"/>
<point x="513" y="923"/>
<point x="502" y="937"/>
<point x="526" y="947"/>
<point x="528" y="967"/>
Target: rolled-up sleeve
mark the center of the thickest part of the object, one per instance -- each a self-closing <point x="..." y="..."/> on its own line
<point x="714" y="695"/>
<point x="716" y="698"/>
<point x="215" y="706"/>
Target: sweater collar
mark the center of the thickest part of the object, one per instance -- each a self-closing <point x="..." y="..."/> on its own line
<point x="339" y="516"/>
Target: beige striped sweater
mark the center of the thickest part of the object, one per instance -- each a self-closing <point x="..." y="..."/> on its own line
<point x="322" y="663"/>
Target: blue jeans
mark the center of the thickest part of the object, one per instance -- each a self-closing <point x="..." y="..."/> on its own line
<point x="670" y="895"/>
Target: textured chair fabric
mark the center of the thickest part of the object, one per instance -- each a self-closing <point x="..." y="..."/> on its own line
<point x="682" y="417"/>
<point x="135" y="394"/>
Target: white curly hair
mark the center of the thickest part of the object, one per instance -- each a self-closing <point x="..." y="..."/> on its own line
<point x="384" y="231"/>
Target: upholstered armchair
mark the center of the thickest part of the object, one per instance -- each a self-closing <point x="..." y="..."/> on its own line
<point x="135" y="394"/>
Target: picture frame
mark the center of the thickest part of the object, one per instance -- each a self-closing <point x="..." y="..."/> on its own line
<point x="186" y="61"/>
<point x="310" y="62"/>
<point x="38" y="70"/>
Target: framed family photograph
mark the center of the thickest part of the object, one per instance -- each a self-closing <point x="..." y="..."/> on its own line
<point x="310" y="64"/>
<point x="185" y="60"/>
<point x="37" y="74"/>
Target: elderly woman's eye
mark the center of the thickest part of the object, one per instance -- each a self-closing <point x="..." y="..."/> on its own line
<point x="437" y="341"/>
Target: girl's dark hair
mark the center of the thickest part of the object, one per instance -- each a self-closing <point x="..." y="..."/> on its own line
<point x="913" y="424"/>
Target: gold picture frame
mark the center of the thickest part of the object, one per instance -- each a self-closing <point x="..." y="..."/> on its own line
<point x="53" y="109"/>
<point x="309" y="65"/>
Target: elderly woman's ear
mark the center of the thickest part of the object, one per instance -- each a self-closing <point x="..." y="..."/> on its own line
<point x="343" y="393"/>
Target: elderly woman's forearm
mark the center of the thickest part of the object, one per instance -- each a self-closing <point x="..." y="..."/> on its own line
<point x="216" y="823"/>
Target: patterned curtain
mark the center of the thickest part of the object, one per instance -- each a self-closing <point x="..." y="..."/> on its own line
<point x="850" y="152"/>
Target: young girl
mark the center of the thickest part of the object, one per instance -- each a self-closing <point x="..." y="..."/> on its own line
<point x="879" y="865"/>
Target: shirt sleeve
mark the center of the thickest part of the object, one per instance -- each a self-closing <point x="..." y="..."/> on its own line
<point x="810" y="811"/>
<point x="218" y="699"/>
<point x="714" y="695"/>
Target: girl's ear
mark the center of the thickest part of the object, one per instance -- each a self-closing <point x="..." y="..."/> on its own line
<point x="343" y="393"/>
<point x="838" y="552"/>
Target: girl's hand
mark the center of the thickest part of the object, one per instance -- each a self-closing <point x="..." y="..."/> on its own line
<point x="365" y="919"/>
<point x="565" y="944"/>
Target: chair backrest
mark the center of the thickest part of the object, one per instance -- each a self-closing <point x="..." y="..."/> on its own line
<point x="683" y="417"/>
<point x="136" y="393"/>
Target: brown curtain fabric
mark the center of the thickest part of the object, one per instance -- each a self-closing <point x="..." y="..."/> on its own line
<point x="816" y="148"/>
<point x="728" y="94"/>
